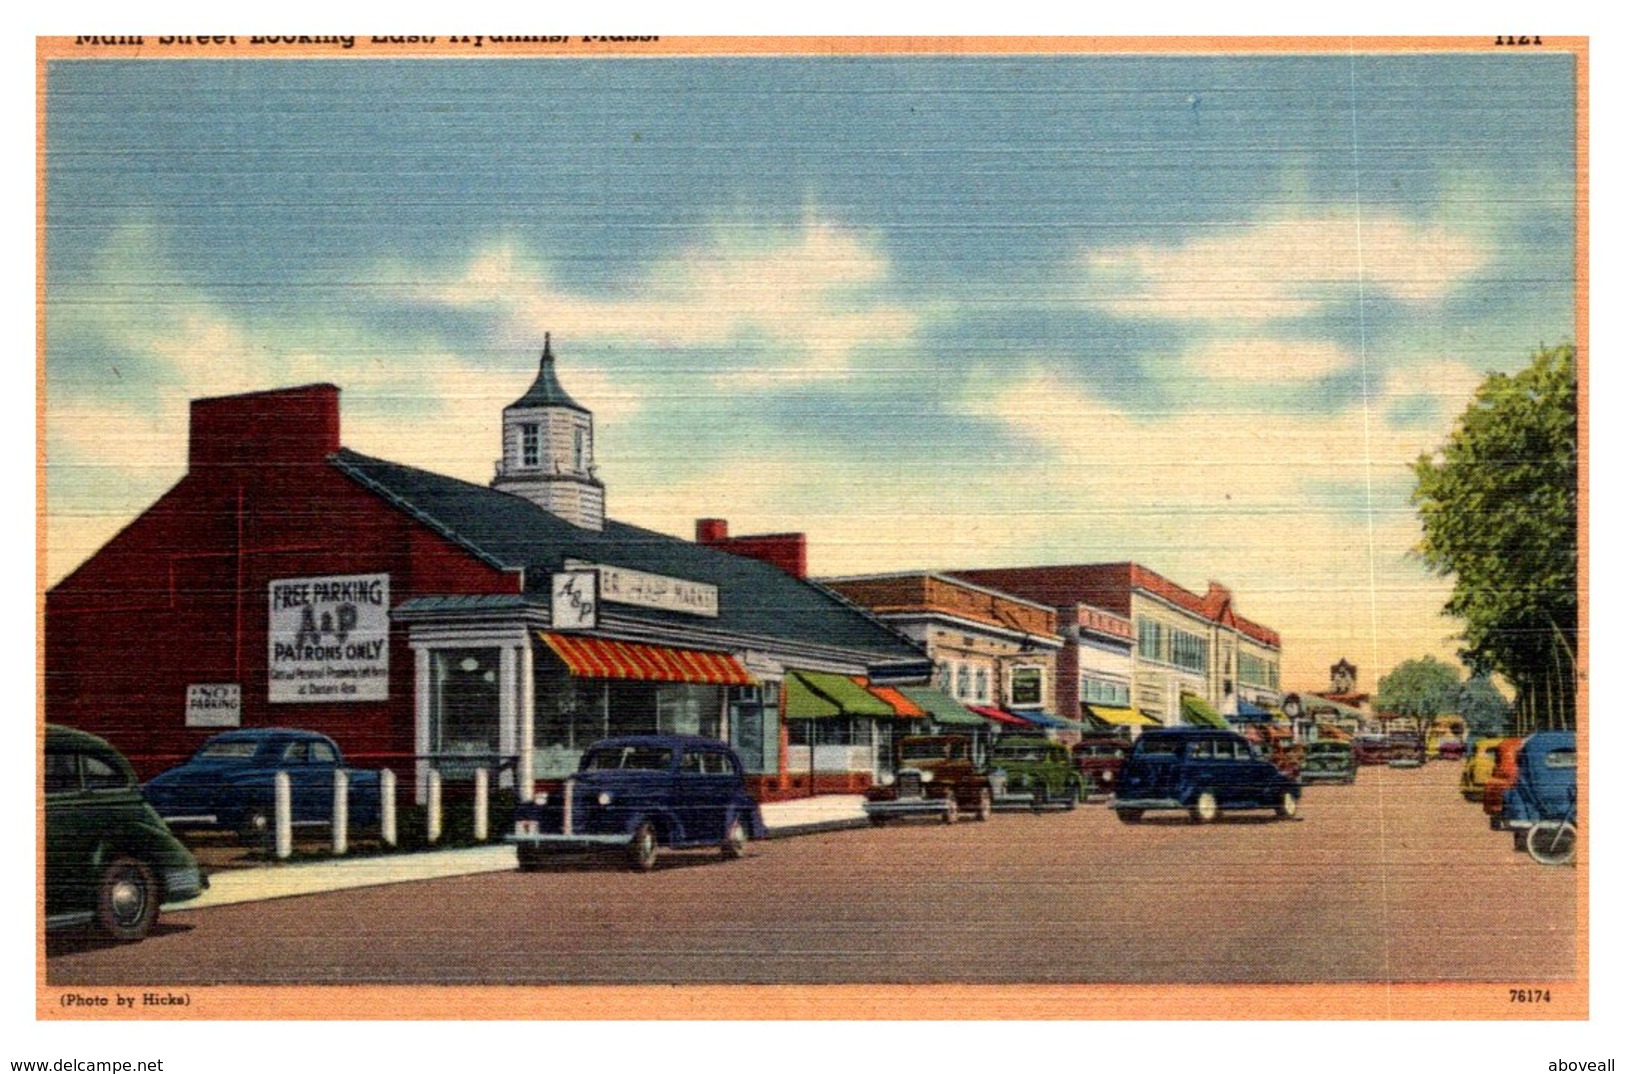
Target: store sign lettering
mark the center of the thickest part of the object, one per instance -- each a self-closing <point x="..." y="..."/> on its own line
<point x="214" y="704"/>
<point x="618" y="585"/>
<point x="330" y="638"/>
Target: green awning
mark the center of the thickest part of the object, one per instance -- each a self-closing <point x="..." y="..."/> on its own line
<point x="815" y="695"/>
<point x="944" y="709"/>
<point x="1199" y="713"/>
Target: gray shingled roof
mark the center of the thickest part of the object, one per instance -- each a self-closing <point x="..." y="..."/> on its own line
<point x="508" y="531"/>
<point x="546" y="390"/>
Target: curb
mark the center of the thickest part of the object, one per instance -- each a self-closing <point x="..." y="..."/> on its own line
<point x="814" y="827"/>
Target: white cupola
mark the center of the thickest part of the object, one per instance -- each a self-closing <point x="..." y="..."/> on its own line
<point x="547" y="450"/>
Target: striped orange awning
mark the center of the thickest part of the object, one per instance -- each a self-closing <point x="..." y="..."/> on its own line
<point x="905" y="708"/>
<point x="602" y="658"/>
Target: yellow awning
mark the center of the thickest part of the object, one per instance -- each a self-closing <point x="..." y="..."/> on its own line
<point x="1118" y="717"/>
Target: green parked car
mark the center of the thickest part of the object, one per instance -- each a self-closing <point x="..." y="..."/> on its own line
<point x="109" y="858"/>
<point x="1029" y="771"/>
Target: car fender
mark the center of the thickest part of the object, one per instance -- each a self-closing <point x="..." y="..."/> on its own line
<point x="668" y="828"/>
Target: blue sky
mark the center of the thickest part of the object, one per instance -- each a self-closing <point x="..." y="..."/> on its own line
<point x="1200" y="312"/>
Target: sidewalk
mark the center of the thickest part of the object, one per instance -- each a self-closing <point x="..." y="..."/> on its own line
<point x="799" y="817"/>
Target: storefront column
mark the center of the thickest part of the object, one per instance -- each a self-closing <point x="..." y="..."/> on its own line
<point x="422" y="700"/>
<point x="507" y="701"/>
<point x="526" y="745"/>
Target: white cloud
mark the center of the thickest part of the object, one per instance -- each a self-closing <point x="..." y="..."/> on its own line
<point x="1283" y="268"/>
<point x="803" y="301"/>
<point x="1266" y="361"/>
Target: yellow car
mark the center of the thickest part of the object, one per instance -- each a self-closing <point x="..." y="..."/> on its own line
<point x="1476" y="769"/>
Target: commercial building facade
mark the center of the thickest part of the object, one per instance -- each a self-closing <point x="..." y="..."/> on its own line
<point x="1194" y="659"/>
<point x="430" y="623"/>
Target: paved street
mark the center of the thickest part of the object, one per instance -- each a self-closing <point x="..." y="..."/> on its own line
<point x="1392" y="879"/>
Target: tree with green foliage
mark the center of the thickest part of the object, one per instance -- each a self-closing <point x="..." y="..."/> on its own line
<point x="1499" y="508"/>
<point x="1481" y="703"/>
<point x="1423" y="688"/>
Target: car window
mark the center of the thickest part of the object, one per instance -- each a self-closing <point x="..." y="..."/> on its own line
<point x="691" y="764"/>
<point x="229" y="748"/>
<point x="718" y="764"/>
<point x="322" y="753"/>
<point x="61" y="773"/>
<point x="1203" y="749"/>
<point x="294" y="753"/>
<point x="101" y="775"/>
<point x="1562" y="759"/>
<point x="1164" y="747"/>
<point x="638" y="758"/>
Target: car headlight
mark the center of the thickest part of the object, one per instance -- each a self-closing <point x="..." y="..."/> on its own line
<point x="927" y="776"/>
<point x="541" y="798"/>
<point x="1105" y="777"/>
<point x="604" y="798"/>
<point x="887" y="779"/>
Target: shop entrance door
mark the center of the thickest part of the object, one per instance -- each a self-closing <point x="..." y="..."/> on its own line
<point x="465" y="717"/>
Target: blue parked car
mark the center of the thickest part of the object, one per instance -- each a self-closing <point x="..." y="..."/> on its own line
<point x="229" y="783"/>
<point x="1545" y="785"/>
<point x="1202" y="771"/>
<point x="638" y="794"/>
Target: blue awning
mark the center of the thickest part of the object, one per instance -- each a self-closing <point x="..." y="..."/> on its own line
<point x="1248" y="712"/>
<point x="1045" y="719"/>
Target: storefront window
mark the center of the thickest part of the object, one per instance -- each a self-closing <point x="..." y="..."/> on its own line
<point x="753" y="726"/>
<point x="963" y="691"/>
<point x="464" y="703"/>
<point x="981" y="684"/>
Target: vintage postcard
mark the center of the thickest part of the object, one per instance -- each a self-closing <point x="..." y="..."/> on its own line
<point x="562" y="527"/>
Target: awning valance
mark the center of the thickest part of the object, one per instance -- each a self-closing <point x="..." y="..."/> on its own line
<point x="944" y="709"/>
<point x="605" y="658"/>
<point x="814" y="695"/>
<point x="999" y="716"/>
<point x="1121" y="717"/>
<point x="1045" y="719"/>
<point x="1199" y="713"/>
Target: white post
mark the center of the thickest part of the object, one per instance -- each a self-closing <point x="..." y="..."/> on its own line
<point x="434" y="805"/>
<point x="341" y="812"/>
<point x="525" y="777"/>
<point x="386" y="806"/>
<point x="482" y="811"/>
<point x="284" y="815"/>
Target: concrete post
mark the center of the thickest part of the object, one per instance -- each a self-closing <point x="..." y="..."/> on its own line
<point x="284" y="815"/>
<point x="434" y="805"/>
<point x="341" y="812"/>
<point x="482" y="807"/>
<point x="386" y="806"/>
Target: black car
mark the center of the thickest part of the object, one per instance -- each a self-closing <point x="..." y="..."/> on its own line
<point x="1329" y="760"/>
<point x="638" y="794"/>
<point x="1204" y="772"/>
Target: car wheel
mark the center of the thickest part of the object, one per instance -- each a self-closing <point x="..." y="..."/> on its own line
<point x="1287" y="807"/>
<point x="531" y="858"/>
<point x="950" y="815"/>
<point x="1130" y="816"/>
<point x="126" y="899"/>
<point x="255" y="832"/>
<point x="738" y="837"/>
<point x="984" y="804"/>
<point x="644" y="847"/>
<point x="1074" y="795"/>
<point x="1495" y="822"/>
<point x="1520" y="840"/>
<point x="1206" y="809"/>
<point x="1040" y="797"/>
<point x="878" y="820"/>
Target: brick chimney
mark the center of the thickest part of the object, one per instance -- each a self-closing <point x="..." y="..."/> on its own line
<point x="284" y="427"/>
<point x="786" y="551"/>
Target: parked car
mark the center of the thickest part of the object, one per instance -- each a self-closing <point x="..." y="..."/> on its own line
<point x="936" y="776"/>
<point x="109" y="858"/>
<point x="229" y="783"/>
<point x="639" y="793"/>
<point x="1452" y="749"/>
<point x="1203" y="771"/>
<point x="1099" y="759"/>
<point x="1406" y="749"/>
<point x="1328" y="761"/>
<point x="1029" y="770"/>
<point x="1276" y="745"/>
<point x="1545" y="785"/>
<point x="1370" y="749"/>
<point x="1477" y="767"/>
<point x="1501" y="779"/>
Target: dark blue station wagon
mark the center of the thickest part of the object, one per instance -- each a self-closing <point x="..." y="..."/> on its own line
<point x="638" y="794"/>
<point x="1204" y="772"/>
